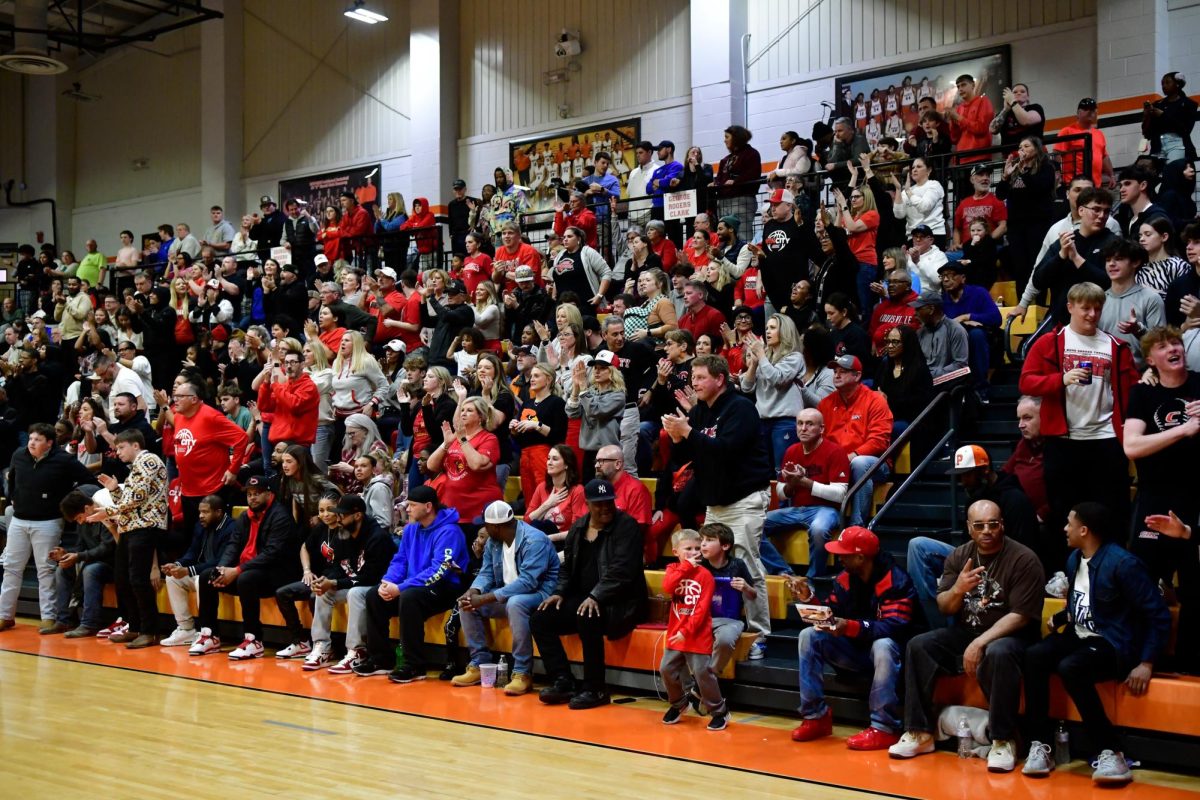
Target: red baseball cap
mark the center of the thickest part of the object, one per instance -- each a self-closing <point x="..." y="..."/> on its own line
<point x="781" y="196"/>
<point x="854" y="541"/>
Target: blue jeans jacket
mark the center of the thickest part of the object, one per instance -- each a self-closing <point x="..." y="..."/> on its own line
<point x="1126" y="606"/>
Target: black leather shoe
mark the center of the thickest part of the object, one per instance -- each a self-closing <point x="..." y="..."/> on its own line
<point x="557" y="694"/>
<point x="588" y="699"/>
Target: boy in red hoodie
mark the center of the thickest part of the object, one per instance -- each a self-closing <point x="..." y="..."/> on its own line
<point x="689" y="632"/>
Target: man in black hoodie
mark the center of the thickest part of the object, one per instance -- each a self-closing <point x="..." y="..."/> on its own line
<point x="39" y="478"/>
<point x="452" y="315"/>
<point x="213" y="532"/>
<point x="1080" y="254"/>
<point x="722" y="439"/>
<point x="158" y="342"/>
<point x="357" y="553"/>
<point x="259" y="558"/>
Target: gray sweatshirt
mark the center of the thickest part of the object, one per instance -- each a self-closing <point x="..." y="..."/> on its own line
<point x="775" y="386"/>
<point x="1148" y="306"/>
<point x="944" y="346"/>
<point x="601" y="413"/>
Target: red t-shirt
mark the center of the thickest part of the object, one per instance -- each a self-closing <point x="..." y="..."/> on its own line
<point x="706" y="320"/>
<point x="526" y="256"/>
<point x="863" y="244"/>
<point x="633" y="498"/>
<point x="420" y="437"/>
<point x="332" y="339"/>
<point x="826" y="464"/>
<point x="988" y="207"/>
<point x="476" y="269"/>
<point x="668" y="253"/>
<point x="563" y="515"/>
<point x="467" y="490"/>
<point x="889" y="314"/>
<point x="1072" y="159"/>
<point x="202" y="450"/>
<point x="749" y="289"/>
<point x="396" y="301"/>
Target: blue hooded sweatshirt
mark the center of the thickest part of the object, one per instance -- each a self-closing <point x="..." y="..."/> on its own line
<point x="428" y="555"/>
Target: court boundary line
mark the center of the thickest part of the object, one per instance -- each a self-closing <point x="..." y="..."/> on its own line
<point x="482" y="725"/>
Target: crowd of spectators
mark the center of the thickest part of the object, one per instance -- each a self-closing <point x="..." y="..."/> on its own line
<point x="368" y="397"/>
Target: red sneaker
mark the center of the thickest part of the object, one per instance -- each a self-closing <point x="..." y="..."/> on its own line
<point x="814" y="728"/>
<point x="872" y="739"/>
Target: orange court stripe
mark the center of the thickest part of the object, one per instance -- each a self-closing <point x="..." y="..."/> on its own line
<point x="633" y="727"/>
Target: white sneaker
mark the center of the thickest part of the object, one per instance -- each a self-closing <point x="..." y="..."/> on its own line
<point x="319" y="657"/>
<point x="347" y="664"/>
<point x="1111" y="767"/>
<point x="912" y="744"/>
<point x="205" y="643"/>
<point x="1002" y="757"/>
<point x="181" y="636"/>
<point x="1039" y="763"/>
<point x="248" y="649"/>
<point x="294" y="650"/>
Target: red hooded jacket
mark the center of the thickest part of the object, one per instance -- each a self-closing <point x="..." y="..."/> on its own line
<point x="691" y="589"/>
<point x="1042" y="376"/>
<point x="427" y="239"/>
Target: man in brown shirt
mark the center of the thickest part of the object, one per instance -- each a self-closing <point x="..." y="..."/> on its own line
<point x="993" y="587"/>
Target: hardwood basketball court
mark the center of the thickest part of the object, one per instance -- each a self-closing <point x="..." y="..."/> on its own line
<point x="83" y="718"/>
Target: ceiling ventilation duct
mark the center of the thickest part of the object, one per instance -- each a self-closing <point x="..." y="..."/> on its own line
<point x="29" y="55"/>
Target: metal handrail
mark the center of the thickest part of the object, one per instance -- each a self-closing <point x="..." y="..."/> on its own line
<point x="902" y="440"/>
<point x="1022" y="351"/>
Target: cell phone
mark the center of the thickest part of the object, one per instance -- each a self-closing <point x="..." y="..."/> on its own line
<point x="885" y="284"/>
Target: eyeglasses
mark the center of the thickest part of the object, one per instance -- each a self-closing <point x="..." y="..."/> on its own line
<point x="1100" y="211"/>
<point x="607" y="460"/>
<point x="856" y="197"/>
<point x="181" y="396"/>
<point x="988" y="525"/>
<point x="892" y="342"/>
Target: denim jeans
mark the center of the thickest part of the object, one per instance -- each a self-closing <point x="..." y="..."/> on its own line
<point x="517" y="608"/>
<point x="926" y="562"/>
<point x="264" y="441"/>
<point x="772" y="560"/>
<point x="860" y="505"/>
<point x="979" y="356"/>
<point x="779" y="433"/>
<point x="25" y="538"/>
<point x="93" y="576"/>
<point x="881" y="659"/>
<point x="821" y="521"/>
<point x="867" y="274"/>
<point x="320" y="446"/>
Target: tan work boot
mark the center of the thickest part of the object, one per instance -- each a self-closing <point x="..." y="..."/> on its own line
<point x="520" y="684"/>
<point x="468" y="678"/>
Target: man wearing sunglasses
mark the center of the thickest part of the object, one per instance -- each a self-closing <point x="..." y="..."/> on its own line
<point x="993" y="587"/>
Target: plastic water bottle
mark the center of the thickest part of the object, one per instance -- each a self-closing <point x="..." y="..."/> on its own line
<point x="502" y="673"/>
<point x="1057" y="586"/>
<point x="966" y="740"/>
<point x="1062" y="745"/>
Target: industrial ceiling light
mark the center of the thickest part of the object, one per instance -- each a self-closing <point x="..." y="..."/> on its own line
<point x="357" y="12"/>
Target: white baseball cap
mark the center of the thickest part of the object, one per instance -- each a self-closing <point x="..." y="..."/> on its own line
<point x="498" y="513"/>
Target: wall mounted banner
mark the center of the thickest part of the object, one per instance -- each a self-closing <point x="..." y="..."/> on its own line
<point x="549" y="160"/>
<point x="322" y="191"/>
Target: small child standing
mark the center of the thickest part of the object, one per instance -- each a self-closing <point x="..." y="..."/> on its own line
<point x="689" y="632"/>
<point x="733" y="584"/>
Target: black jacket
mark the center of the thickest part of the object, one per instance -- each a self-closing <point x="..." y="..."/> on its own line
<point x="290" y="299"/>
<point x="356" y="318"/>
<point x="36" y="488"/>
<point x="276" y="548"/>
<point x="208" y="546"/>
<point x="363" y="560"/>
<point x="726" y="448"/>
<point x="1057" y="275"/>
<point x="1188" y="283"/>
<point x="784" y="260"/>
<point x="621" y="590"/>
<point x="451" y="320"/>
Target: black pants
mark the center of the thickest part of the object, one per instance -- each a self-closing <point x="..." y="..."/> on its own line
<point x="286" y="597"/>
<point x="940" y="652"/>
<point x="1167" y="557"/>
<point x="1081" y="664"/>
<point x="250" y="587"/>
<point x="1024" y="244"/>
<point x="1081" y="470"/>
<point x="413" y="606"/>
<point x="191" y="515"/>
<point x="135" y="593"/>
<point x="550" y="624"/>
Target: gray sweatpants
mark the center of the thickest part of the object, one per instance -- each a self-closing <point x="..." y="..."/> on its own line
<point x="676" y="665"/>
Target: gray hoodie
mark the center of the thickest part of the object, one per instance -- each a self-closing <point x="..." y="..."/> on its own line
<point x="1148" y="306"/>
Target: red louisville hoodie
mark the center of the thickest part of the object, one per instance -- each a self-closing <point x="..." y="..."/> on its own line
<point x="691" y="591"/>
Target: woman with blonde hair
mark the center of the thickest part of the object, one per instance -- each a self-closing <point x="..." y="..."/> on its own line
<point x="774" y="365"/>
<point x="719" y="287"/>
<point x="541" y="423"/>
<point x="180" y="301"/>
<point x="316" y="364"/>
<point x="488" y="381"/>
<point x="597" y="400"/>
<point x="488" y="318"/>
<point x="656" y="316"/>
<point x="860" y="219"/>
<point x="359" y="385"/>
<point x="467" y="458"/>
